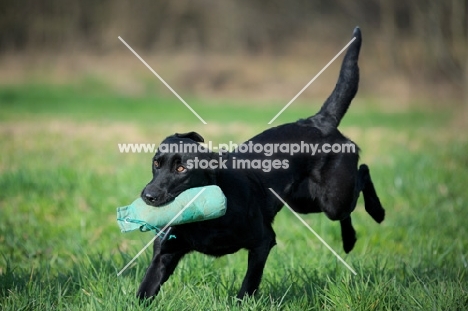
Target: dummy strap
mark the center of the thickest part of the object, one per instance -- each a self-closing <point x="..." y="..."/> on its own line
<point x="145" y="227"/>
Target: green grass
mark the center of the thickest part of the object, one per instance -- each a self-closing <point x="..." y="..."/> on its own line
<point x="61" y="178"/>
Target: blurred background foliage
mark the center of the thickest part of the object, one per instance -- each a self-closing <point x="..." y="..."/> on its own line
<point x="414" y="49"/>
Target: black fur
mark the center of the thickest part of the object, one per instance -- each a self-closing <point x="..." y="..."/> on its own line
<point x="327" y="182"/>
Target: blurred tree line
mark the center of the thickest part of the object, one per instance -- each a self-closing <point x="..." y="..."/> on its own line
<point x="421" y="37"/>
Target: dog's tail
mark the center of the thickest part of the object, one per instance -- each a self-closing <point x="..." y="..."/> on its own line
<point x="337" y="104"/>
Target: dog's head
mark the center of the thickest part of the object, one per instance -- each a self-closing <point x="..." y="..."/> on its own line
<point x="174" y="170"/>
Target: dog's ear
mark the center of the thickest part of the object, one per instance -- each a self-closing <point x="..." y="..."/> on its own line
<point x="192" y="135"/>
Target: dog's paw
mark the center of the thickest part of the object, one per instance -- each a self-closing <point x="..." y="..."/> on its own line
<point x="348" y="243"/>
<point x="375" y="209"/>
<point x="348" y="236"/>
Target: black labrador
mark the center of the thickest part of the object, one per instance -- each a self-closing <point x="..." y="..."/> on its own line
<point x="325" y="182"/>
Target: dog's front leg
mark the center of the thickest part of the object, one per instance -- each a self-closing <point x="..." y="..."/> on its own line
<point x="256" y="263"/>
<point x="166" y="256"/>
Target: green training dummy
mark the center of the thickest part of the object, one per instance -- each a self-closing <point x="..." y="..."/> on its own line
<point x="209" y="204"/>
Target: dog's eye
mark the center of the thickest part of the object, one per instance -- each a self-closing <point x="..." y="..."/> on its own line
<point x="156" y="164"/>
<point x="180" y="169"/>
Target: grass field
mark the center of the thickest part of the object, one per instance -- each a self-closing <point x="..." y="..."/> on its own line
<point x="61" y="178"/>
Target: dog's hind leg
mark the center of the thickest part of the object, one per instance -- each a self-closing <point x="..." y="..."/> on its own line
<point x="348" y="234"/>
<point x="371" y="200"/>
<point x="371" y="203"/>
